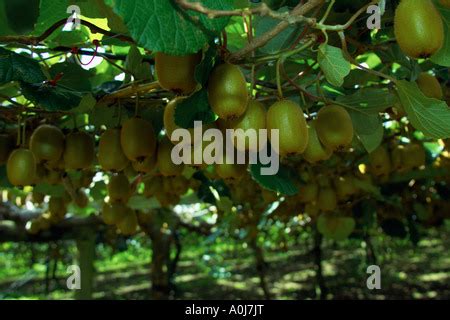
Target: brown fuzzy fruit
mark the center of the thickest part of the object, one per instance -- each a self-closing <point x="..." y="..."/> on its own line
<point x="287" y="117"/>
<point x="334" y="127"/>
<point x="137" y="139"/>
<point x="21" y="167"/>
<point x="315" y="150"/>
<point x="227" y="91"/>
<point x="110" y="153"/>
<point x="79" y="152"/>
<point x="177" y="73"/>
<point x="164" y="160"/>
<point x="418" y="28"/>
<point x="430" y="86"/>
<point x="47" y="143"/>
<point x="119" y="188"/>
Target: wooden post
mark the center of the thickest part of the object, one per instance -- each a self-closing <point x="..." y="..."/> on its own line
<point x="86" y="257"/>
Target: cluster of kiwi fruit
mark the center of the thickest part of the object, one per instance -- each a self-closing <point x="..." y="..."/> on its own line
<point x="396" y="158"/>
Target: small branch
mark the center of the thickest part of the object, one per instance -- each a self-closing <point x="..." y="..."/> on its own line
<point x="35" y="40"/>
<point x="295" y="16"/>
<point x="131" y="90"/>
<point x="262" y="10"/>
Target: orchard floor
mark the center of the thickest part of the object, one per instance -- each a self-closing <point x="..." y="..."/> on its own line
<point x="407" y="272"/>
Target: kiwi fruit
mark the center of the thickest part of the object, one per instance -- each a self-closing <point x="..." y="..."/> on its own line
<point x="308" y="192"/>
<point x="380" y="162"/>
<point x="254" y="118"/>
<point x="287" y="117"/>
<point x="119" y="188"/>
<point x="137" y="139"/>
<point x="177" y="73"/>
<point x="21" y="167"/>
<point x="345" y="187"/>
<point x="227" y="91"/>
<point x="79" y="152"/>
<point x="315" y="150"/>
<point x="418" y="28"/>
<point x="114" y="212"/>
<point x="110" y="153"/>
<point x="164" y="160"/>
<point x="230" y="171"/>
<point x="430" y="86"/>
<point x="146" y="166"/>
<point x="334" y="127"/>
<point x="327" y="199"/>
<point x="128" y="224"/>
<point x="57" y="207"/>
<point x="47" y="143"/>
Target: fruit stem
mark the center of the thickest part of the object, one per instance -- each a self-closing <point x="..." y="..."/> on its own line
<point x="327" y="13"/>
<point x="278" y="75"/>
<point x="24" y="132"/>
<point x="19" y="129"/>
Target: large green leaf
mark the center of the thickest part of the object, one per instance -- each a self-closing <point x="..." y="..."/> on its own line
<point x="442" y="57"/>
<point x="51" y="98"/>
<point x="368" y="128"/>
<point x="370" y="100"/>
<point x="280" y="183"/>
<point x="16" y="67"/>
<point x="333" y="64"/>
<point x="161" y="25"/>
<point x="431" y="116"/>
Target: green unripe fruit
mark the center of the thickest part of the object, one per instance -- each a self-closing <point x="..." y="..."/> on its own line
<point x="430" y="86"/>
<point x="308" y="193"/>
<point x="137" y="139"/>
<point x="119" y="188"/>
<point x="380" y="162"/>
<point x="177" y="73"/>
<point x="79" y="152"/>
<point x="315" y="150"/>
<point x="164" y="160"/>
<point x="327" y="199"/>
<point x="128" y="224"/>
<point x="47" y="143"/>
<point x="110" y="153"/>
<point x="288" y="118"/>
<point x="21" y="167"/>
<point x="334" y="127"/>
<point x="227" y="91"/>
<point x="418" y="28"/>
<point x="146" y="166"/>
<point x="254" y="118"/>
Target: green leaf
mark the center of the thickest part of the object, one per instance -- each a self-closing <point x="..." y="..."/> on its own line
<point x="50" y="190"/>
<point x="333" y="64"/>
<point x="162" y="26"/>
<point x="431" y="116"/>
<point x="281" y="41"/>
<point x="102" y="115"/>
<point x="370" y="100"/>
<point x="51" y="98"/>
<point x="194" y="108"/>
<point x="86" y="104"/>
<point x="442" y="57"/>
<point x="73" y="76"/>
<point x="16" y="67"/>
<point x="280" y="183"/>
<point x="19" y="19"/>
<point x="368" y="128"/>
<point x="204" y="68"/>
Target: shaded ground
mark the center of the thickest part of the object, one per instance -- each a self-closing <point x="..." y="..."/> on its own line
<point x="407" y="272"/>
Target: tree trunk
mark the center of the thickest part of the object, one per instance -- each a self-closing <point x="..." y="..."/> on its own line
<point x="261" y="267"/>
<point x="371" y="257"/>
<point x="323" y="291"/>
<point x="160" y="266"/>
<point x="86" y="257"/>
